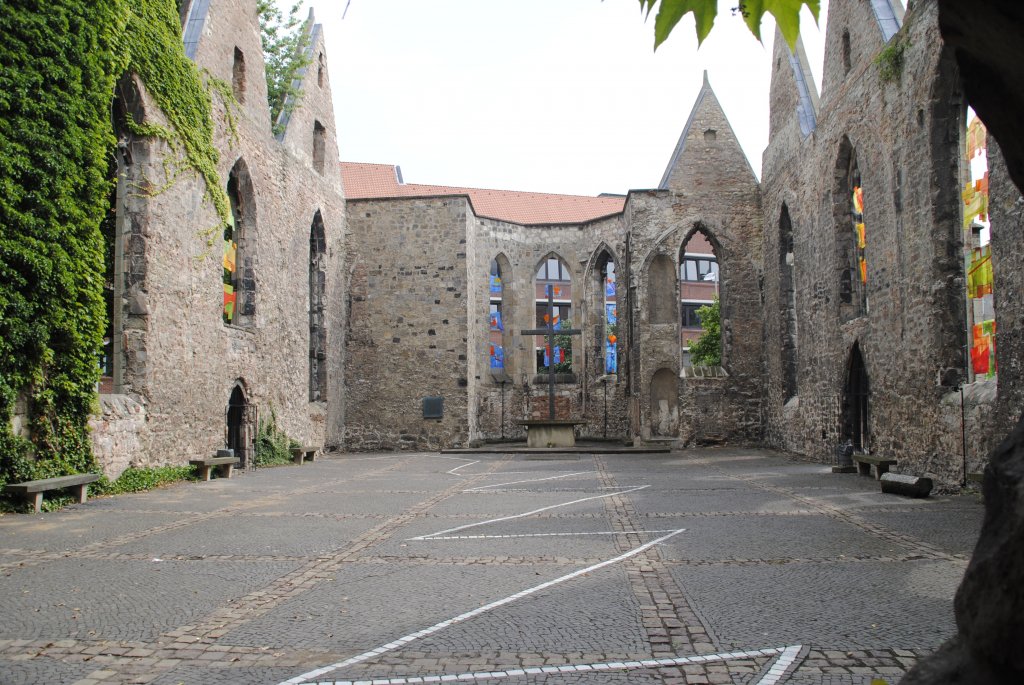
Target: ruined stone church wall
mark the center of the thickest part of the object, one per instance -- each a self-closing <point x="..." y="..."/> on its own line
<point x="522" y="249"/>
<point x="714" y="404"/>
<point x="905" y="135"/>
<point x="708" y="187"/>
<point x="1006" y="212"/>
<point x="182" y="360"/>
<point x="406" y="323"/>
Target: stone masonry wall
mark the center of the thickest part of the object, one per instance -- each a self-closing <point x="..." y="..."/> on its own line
<point x="905" y="134"/>
<point x="406" y="331"/>
<point x="182" y="361"/>
<point x="710" y="187"/>
<point x="523" y="249"/>
<point x="1006" y="211"/>
<point x="117" y="433"/>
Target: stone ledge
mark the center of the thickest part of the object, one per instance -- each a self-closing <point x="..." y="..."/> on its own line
<point x="703" y="372"/>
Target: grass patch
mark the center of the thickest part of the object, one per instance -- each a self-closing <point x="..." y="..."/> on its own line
<point x="890" y="61"/>
<point x="139" y="480"/>
<point x="273" y="446"/>
<point x="131" y="480"/>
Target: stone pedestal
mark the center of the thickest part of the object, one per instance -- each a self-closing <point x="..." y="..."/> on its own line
<point x="550" y="433"/>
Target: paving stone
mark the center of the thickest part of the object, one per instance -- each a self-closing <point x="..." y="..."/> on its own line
<point x="255" y="585"/>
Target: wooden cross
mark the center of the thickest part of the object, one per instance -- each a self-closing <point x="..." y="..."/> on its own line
<point x="550" y="331"/>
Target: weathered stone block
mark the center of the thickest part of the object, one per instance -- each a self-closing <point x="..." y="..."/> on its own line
<point x="903" y="484"/>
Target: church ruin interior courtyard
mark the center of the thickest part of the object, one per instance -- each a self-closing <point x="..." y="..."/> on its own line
<point x="434" y="433"/>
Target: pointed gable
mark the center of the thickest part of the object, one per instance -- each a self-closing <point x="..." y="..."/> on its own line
<point x="223" y="37"/>
<point x="708" y="152"/>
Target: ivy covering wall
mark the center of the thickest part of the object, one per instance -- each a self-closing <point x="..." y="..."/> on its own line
<point x="61" y="61"/>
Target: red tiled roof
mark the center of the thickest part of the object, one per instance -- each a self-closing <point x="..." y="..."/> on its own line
<point x="380" y="181"/>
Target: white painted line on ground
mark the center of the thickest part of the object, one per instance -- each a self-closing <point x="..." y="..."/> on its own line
<point x="403" y="641"/>
<point x="470" y="463"/>
<point x="784" y="652"/>
<point x="528" y="513"/>
<point x="549" y="535"/>
<point x="399" y="455"/>
<point x="781" y="665"/>
<point x="529" y="480"/>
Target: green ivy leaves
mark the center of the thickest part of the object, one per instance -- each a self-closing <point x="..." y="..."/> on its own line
<point x="61" y="61"/>
<point x="786" y="13"/>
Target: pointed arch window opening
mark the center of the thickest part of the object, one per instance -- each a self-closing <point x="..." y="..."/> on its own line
<point x="859" y="276"/>
<point x="851" y="204"/>
<point x="238" y="76"/>
<point x="496" y="322"/>
<point x="317" y="310"/>
<point x="847" y="53"/>
<point x="787" y="304"/>
<point x="699" y="286"/>
<point x="553" y="275"/>
<point x="239" y="304"/>
<point x="609" y="348"/>
<point x="112" y="229"/>
<point x="230" y="262"/>
<point x="980" y="277"/>
<point x="319" y="146"/>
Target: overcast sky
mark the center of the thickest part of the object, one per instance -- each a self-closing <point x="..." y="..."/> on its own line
<point x="562" y="96"/>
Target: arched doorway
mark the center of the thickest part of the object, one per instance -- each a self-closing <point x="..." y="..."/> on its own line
<point x="665" y="404"/>
<point x="241" y="426"/>
<point x="855" y="402"/>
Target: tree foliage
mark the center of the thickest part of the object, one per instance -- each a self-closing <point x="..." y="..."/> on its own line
<point x="670" y="12"/>
<point x="285" y="41"/>
<point x="707" y="349"/>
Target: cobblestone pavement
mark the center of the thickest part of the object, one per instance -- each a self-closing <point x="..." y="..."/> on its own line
<point x="705" y="566"/>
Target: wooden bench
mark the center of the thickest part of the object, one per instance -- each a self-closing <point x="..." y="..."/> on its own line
<point x="299" y="454"/>
<point x="33" y="489"/>
<point x="866" y="461"/>
<point x="222" y="464"/>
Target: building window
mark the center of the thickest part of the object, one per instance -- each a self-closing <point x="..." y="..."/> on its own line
<point x="553" y="269"/>
<point x="698" y="269"/>
<point x="688" y="315"/>
<point x="320" y="70"/>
